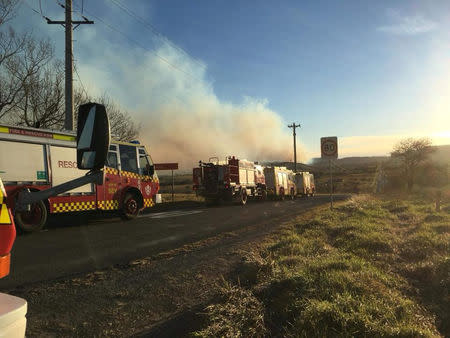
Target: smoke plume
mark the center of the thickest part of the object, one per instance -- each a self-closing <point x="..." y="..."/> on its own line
<point x="182" y="120"/>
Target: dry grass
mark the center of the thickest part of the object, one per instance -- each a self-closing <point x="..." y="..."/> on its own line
<point x="371" y="267"/>
<point x="179" y="197"/>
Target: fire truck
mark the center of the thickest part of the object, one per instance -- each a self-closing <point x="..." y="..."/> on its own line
<point x="280" y="182"/>
<point x="232" y="180"/>
<point x="304" y="182"/>
<point x="36" y="159"/>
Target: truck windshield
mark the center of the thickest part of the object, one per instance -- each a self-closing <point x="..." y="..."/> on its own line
<point x="128" y="158"/>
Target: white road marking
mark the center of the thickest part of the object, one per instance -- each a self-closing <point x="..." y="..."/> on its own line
<point x="157" y="241"/>
<point x="168" y="214"/>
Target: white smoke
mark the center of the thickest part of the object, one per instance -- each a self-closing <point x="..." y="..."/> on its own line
<point x="182" y="119"/>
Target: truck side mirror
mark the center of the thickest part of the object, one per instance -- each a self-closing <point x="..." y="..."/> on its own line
<point x="93" y="136"/>
<point x="150" y="170"/>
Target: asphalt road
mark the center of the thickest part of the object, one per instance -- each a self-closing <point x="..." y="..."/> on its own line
<point x="79" y="244"/>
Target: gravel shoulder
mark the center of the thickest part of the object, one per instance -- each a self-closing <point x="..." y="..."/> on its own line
<point x="160" y="295"/>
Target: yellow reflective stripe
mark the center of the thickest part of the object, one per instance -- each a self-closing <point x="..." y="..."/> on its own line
<point x="63" y="137"/>
<point x="73" y="206"/>
<point x="4" y="215"/>
<point x="4" y="130"/>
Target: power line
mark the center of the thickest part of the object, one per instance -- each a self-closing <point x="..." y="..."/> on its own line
<point x="142" y="46"/>
<point x="34" y="10"/>
<point x="153" y="29"/>
<point x="79" y="78"/>
<point x="167" y="99"/>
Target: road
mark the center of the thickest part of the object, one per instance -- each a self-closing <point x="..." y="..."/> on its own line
<point x="78" y="245"/>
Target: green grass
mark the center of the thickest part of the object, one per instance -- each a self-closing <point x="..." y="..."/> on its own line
<point x="370" y="268"/>
<point x="180" y="197"/>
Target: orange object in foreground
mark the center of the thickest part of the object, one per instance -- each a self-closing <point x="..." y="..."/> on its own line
<point x="4" y="265"/>
<point x="7" y="233"/>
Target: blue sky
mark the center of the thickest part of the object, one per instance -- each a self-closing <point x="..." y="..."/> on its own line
<point x="369" y="72"/>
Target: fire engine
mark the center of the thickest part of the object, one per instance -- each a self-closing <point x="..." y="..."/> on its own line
<point x="280" y="182"/>
<point x="230" y="180"/>
<point x="304" y="182"/>
<point x="37" y="159"/>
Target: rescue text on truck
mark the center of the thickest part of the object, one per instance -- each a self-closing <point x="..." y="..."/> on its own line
<point x="93" y="138"/>
<point x="48" y="158"/>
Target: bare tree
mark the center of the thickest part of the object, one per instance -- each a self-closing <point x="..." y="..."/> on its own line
<point x="21" y="59"/>
<point x="123" y="127"/>
<point x="42" y="104"/>
<point x="412" y="152"/>
<point x="7" y="10"/>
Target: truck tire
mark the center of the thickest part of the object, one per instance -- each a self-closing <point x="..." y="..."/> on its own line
<point x="281" y="194"/>
<point x="130" y="206"/>
<point x="243" y="197"/>
<point x="264" y="195"/>
<point x="292" y="194"/>
<point x="33" y="220"/>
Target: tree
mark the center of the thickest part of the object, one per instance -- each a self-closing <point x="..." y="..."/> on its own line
<point x="7" y="10"/>
<point x="21" y="58"/>
<point x="123" y="127"/>
<point x="42" y="103"/>
<point x="412" y="153"/>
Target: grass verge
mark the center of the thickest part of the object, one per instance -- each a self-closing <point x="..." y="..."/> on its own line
<point x="371" y="267"/>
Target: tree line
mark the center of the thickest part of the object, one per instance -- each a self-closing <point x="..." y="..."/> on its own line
<point x="32" y="83"/>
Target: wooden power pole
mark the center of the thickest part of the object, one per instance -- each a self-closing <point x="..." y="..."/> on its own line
<point x="67" y="24"/>
<point x="293" y="126"/>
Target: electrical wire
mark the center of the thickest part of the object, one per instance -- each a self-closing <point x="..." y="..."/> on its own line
<point x="153" y="29"/>
<point x="167" y="99"/>
<point x="78" y="76"/>
<point x="142" y="46"/>
<point x="34" y="10"/>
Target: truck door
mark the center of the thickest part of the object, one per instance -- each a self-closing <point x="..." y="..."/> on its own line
<point x="108" y="196"/>
<point x="147" y="187"/>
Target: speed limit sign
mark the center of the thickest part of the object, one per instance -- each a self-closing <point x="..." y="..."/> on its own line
<point x="329" y="147"/>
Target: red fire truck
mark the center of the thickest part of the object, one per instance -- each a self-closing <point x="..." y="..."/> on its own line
<point x="38" y="159"/>
<point x="231" y="180"/>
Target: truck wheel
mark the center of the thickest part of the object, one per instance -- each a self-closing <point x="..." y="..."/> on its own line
<point x="264" y="195"/>
<point x="281" y="194"/>
<point x="243" y="197"/>
<point x="130" y="206"/>
<point x="33" y="220"/>
<point x="292" y="194"/>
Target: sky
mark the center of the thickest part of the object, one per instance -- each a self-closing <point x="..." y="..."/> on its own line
<point x="214" y="77"/>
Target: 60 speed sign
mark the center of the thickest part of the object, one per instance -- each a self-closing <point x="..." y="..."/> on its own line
<point x="329" y="147"/>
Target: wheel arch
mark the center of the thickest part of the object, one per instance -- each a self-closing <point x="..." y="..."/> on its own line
<point x="134" y="191"/>
<point x="13" y="194"/>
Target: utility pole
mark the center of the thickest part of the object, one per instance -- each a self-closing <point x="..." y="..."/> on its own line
<point x="293" y="126"/>
<point x="67" y="24"/>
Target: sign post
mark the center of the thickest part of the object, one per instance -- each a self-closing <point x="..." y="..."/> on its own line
<point x="168" y="166"/>
<point x="329" y="150"/>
